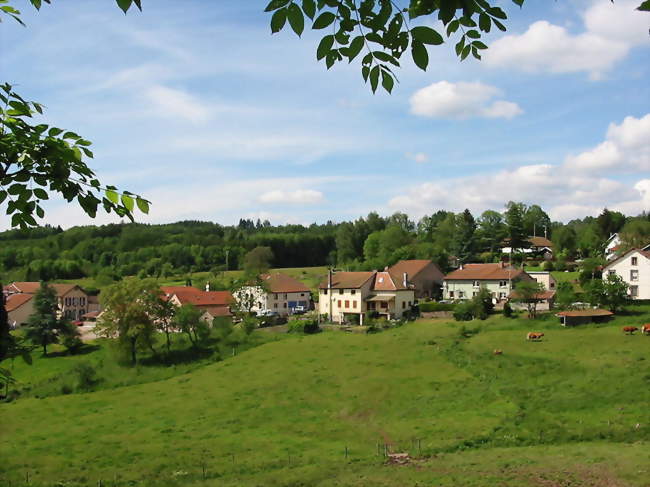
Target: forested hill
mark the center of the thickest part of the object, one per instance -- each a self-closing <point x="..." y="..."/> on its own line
<point x="109" y="252"/>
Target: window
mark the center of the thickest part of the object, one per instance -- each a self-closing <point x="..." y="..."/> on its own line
<point x="611" y="272"/>
<point x="503" y="283"/>
<point x="403" y="304"/>
<point x="461" y="294"/>
<point x="634" y="291"/>
<point x="347" y="303"/>
<point x="341" y="291"/>
<point x="82" y="301"/>
<point x="285" y="305"/>
<point x="552" y="284"/>
<point x="451" y="294"/>
<point x="325" y="292"/>
<point x="302" y="295"/>
<point x="502" y="295"/>
<point x="354" y="304"/>
<point x="353" y="291"/>
<point x="635" y="261"/>
<point x="340" y="304"/>
<point x="474" y="293"/>
<point x="275" y="305"/>
<point x="275" y="296"/>
<point x="284" y="296"/>
<point x="634" y="275"/>
<point x="476" y="284"/>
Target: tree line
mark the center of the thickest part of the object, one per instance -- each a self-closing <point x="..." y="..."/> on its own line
<point x="111" y="252"/>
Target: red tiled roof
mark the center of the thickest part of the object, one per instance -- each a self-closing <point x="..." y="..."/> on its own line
<point x="191" y="295"/>
<point x="217" y="310"/>
<point x="281" y="283"/>
<point x="15" y="301"/>
<point x="586" y="312"/>
<point x="484" y="272"/>
<point x="386" y="281"/>
<point x="348" y="280"/>
<point x="412" y="267"/>
<point x="32" y="288"/>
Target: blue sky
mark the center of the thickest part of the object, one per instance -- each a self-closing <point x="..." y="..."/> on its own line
<point x="196" y="106"/>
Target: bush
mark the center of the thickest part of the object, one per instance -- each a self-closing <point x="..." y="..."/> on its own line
<point x="431" y="306"/>
<point x="548" y="266"/>
<point x="85" y="376"/>
<point x="464" y="311"/>
<point x="303" y="326"/>
<point x="507" y="310"/>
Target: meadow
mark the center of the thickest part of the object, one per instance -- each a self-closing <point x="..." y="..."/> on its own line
<point x="321" y="409"/>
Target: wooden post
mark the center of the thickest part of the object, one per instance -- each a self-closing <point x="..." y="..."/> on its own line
<point x="419" y="447"/>
<point x="346" y="451"/>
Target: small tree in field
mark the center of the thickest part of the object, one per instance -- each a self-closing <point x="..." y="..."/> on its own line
<point x="565" y="295"/>
<point x="187" y="318"/>
<point x="129" y="314"/>
<point x="527" y="292"/>
<point x="44" y="326"/>
<point x="610" y="293"/>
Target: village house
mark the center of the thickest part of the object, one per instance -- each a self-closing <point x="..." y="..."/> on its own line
<point x="544" y="278"/>
<point x="538" y="246"/>
<point x="73" y="301"/>
<point x="213" y="304"/>
<point x="634" y="268"/>
<point x="345" y="295"/>
<point x="275" y="292"/>
<point x="466" y="281"/>
<point x="424" y="275"/>
<point x="612" y="246"/>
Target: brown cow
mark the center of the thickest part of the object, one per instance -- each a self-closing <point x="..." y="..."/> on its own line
<point x="630" y="329"/>
<point x="645" y="329"/>
<point x="533" y="335"/>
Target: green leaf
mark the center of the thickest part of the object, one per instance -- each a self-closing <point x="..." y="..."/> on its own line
<point x="426" y="35"/>
<point x="324" y="46"/>
<point x="645" y="6"/>
<point x="479" y="45"/>
<point x="278" y="20"/>
<point x="473" y="34"/>
<point x="276" y="4"/>
<point x="127" y="202"/>
<point x="3" y="196"/>
<point x="143" y="205"/>
<point x="374" y="78"/>
<point x="296" y="19"/>
<point x="323" y="20"/>
<point x="466" y="51"/>
<point x="419" y="54"/>
<point x="41" y="194"/>
<point x="387" y="81"/>
<point x="53" y="132"/>
<point x="112" y="196"/>
<point x="124" y="5"/>
<point x="309" y="7"/>
<point x="485" y="23"/>
<point x="355" y="47"/>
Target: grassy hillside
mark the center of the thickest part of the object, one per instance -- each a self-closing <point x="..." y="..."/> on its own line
<point x="563" y="411"/>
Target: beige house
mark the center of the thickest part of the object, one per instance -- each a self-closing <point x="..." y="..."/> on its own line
<point x="276" y="292"/>
<point x="466" y="281"/>
<point x="73" y="301"/>
<point x="425" y="276"/>
<point x="545" y="278"/>
<point x="634" y="269"/>
<point x="346" y="294"/>
<point x="213" y="303"/>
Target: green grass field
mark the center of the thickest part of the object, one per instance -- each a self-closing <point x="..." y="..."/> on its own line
<point x="570" y="410"/>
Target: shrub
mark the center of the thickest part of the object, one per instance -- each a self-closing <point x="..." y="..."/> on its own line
<point x="548" y="265"/>
<point x="85" y="376"/>
<point x="464" y="311"/>
<point x="431" y="306"/>
<point x="303" y="326"/>
<point x="507" y="310"/>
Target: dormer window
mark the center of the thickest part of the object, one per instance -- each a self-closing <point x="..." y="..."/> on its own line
<point x="476" y="284"/>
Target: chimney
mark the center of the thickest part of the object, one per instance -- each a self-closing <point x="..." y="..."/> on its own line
<point x="462" y="266"/>
<point x="207" y="287"/>
<point x="405" y="280"/>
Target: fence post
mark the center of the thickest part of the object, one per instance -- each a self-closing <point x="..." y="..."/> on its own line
<point x="346" y="452"/>
<point x="419" y="447"/>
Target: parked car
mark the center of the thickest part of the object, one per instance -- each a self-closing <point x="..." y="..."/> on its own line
<point x="267" y="312"/>
<point x="299" y="310"/>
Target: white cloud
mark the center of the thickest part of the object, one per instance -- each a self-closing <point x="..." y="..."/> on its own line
<point x="460" y="101"/>
<point x="176" y="103"/>
<point x="419" y="157"/>
<point x="576" y="188"/>
<point x="297" y="197"/>
<point x="611" y="30"/>
<point x="626" y="149"/>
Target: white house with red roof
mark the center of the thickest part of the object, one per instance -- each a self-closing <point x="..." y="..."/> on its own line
<point x="634" y="268"/>
<point x="346" y="294"/>
<point x="276" y="292"/>
<point x="213" y="303"/>
<point x="466" y="281"/>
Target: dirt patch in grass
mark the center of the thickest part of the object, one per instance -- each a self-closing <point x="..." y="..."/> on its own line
<point x="575" y="476"/>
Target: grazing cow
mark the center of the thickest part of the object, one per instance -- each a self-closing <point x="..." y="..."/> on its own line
<point x="498" y="352"/>
<point x="645" y="329"/>
<point x="630" y="329"/>
<point x="534" y="336"/>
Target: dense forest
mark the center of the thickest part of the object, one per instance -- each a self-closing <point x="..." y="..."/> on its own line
<point x="110" y="252"/>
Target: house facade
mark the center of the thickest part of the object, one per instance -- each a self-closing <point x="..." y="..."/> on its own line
<point x="213" y="303"/>
<point x="424" y="275"/>
<point x="73" y="301"/>
<point x="466" y="281"/>
<point x="612" y="246"/>
<point x="634" y="268"/>
<point x="276" y="292"/>
<point x="545" y="278"/>
<point x="347" y="295"/>
<point x="537" y="246"/>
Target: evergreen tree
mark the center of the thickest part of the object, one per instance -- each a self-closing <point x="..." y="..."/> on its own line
<point x="44" y="326"/>
<point x="517" y="238"/>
